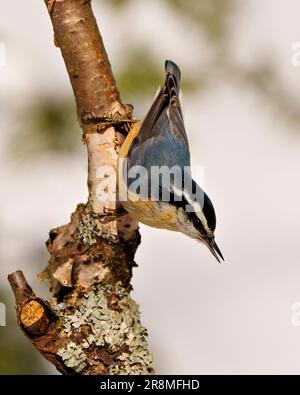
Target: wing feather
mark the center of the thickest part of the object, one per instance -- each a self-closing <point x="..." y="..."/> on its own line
<point x="162" y="138"/>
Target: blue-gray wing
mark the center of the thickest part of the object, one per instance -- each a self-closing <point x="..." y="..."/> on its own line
<point x="162" y="139"/>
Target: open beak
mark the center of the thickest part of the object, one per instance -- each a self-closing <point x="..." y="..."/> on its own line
<point x="214" y="249"/>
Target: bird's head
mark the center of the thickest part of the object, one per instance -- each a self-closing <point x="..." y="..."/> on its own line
<point x="197" y="219"/>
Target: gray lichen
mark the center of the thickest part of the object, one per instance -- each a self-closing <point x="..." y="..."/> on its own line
<point x="90" y="228"/>
<point x="111" y="329"/>
<point x="73" y="356"/>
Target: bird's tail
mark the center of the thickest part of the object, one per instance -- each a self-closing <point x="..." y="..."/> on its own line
<point x="173" y="70"/>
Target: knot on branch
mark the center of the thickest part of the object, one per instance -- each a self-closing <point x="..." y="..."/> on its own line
<point x="84" y="254"/>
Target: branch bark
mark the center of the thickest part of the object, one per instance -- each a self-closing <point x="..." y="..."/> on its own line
<point x="91" y="325"/>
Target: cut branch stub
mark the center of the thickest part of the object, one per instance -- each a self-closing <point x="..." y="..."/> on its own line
<point x="36" y="317"/>
<point x="104" y="335"/>
<point x="34" y="314"/>
<point x="20" y="287"/>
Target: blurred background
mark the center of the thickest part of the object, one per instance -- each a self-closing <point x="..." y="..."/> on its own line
<point x="242" y="113"/>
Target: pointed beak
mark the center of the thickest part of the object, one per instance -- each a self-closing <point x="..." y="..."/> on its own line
<point x="214" y="249"/>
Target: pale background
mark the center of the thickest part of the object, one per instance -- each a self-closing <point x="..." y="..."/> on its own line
<point x="202" y="317"/>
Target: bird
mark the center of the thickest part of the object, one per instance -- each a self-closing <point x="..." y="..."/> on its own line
<point x="154" y="173"/>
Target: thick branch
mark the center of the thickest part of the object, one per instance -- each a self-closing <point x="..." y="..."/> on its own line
<point x="99" y="106"/>
<point x="92" y="325"/>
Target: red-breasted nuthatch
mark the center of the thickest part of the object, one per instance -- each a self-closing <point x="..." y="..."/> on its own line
<point x="155" y="181"/>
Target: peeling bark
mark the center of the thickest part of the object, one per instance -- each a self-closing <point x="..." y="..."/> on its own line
<point x="91" y="325"/>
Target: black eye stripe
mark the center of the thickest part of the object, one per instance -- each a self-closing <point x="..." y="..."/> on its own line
<point x="207" y="209"/>
<point x="197" y="223"/>
<point x="192" y="216"/>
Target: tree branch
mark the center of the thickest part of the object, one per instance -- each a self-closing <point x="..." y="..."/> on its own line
<point x="98" y="101"/>
<point x="91" y="325"/>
